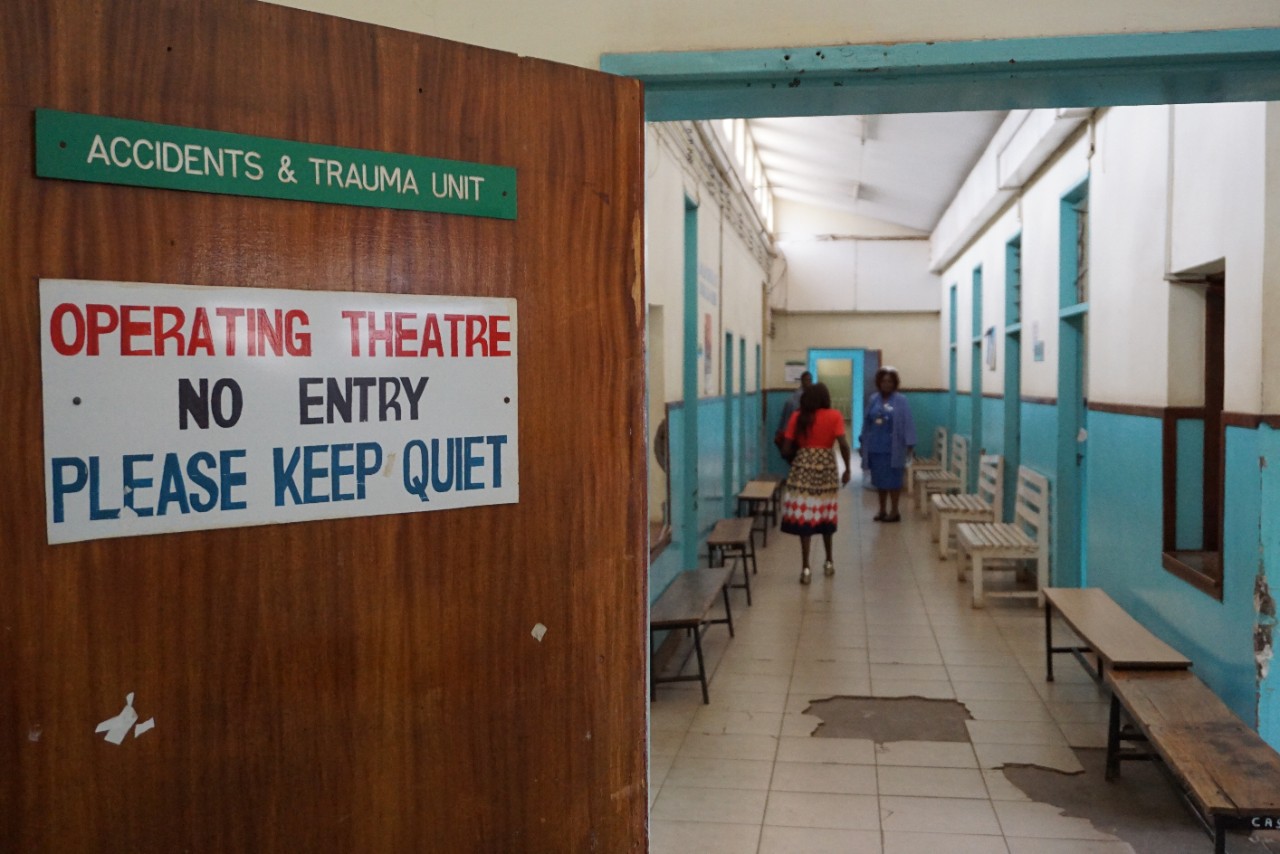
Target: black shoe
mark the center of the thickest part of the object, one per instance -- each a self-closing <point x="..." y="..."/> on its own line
<point x="879" y="517"/>
<point x="893" y="517"/>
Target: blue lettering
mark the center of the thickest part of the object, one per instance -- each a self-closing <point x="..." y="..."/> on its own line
<point x="311" y="473"/>
<point x="231" y="479"/>
<point x="285" y="474"/>
<point x="368" y="461"/>
<point x="338" y="470"/>
<point x="438" y="484"/>
<point x="472" y="461"/>
<point x="96" y="513"/>
<point x="132" y="483"/>
<point x="172" y="487"/>
<point x="202" y="480"/>
<point x="496" y="442"/>
<point x="61" y="486"/>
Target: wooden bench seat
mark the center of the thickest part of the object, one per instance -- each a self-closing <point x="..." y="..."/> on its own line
<point x="919" y="465"/>
<point x="757" y="501"/>
<point x="1231" y="776"/>
<point x="981" y="506"/>
<point x="953" y="479"/>
<point x="1013" y="544"/>
<point x="1116" y="640"/>
<point x="733" y="538"/>
<point x="685" y="605"/>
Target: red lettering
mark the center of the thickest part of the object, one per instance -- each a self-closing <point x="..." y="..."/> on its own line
<point x="454" y="320"/>
<point x="103" y="320"/>
<point x="201" y="336"/>
<point x="431" y="336"/>
<point x="165" y="333"/>
<point x="383" y="334"/>
<point x="354" y="318"/>
<point x="402" y="334"/>
<point x="498" y="337"/>
<point x="477" y="325"/>
<point x="130" y="329"/>
<point x="268" y="334"/>
<point x="57" y="329"/>
<point x="229" y="317"/>
<point x="297" y="342"/>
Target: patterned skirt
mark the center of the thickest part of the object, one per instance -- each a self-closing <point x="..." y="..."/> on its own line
<point x="809" y="505"/>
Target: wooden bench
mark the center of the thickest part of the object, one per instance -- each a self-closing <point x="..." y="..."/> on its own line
<point x="685" y="605"/>
<point x="733" y="538"/>
<point x="1012" y="544"/>
<point x="939" y="451"/>
<point x="937" y="481"/>
<point x="982" y="506"/>
<point x="778" y="482"/>
<point x="917" y="466"/>
<point x="1116" y="640"/>
<point x="1230" y="775"/>
<point x="756" y="500"/>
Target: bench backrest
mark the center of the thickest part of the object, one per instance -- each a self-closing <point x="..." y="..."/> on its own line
<point x="1031" y="507"/>
<point x="940" y="445"/>
<point x="959" y="462"/>
<point x="991" y="481"/>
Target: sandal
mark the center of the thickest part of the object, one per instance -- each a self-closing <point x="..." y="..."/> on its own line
<point x="805" y="575"/>
<point x="828" y="568"/>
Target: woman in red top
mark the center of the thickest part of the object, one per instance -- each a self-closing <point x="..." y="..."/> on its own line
<point x="813" y="484"/>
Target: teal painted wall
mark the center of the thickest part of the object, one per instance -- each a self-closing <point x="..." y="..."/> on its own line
<point x="1040" y="438"/>
<point x="774" y="400"/>
<point x="1125" y="543"/>
<point x="928" y="410"/>
<point x="964" y="415"/>
<point x="708" y="502"/>
<point x="1190" y="509"/>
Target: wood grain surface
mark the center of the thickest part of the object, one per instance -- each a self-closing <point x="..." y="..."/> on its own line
<point x="364" y="685"/>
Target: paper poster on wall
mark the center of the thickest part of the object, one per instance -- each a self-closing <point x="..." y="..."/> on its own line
<point x="989" y="342"/>
<point x="177" y="408"/>
<point x="791" y="371"/>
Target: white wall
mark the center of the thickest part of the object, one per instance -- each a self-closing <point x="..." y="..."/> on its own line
<point x="1035" y="215"/>
<point x="730" y="280"/>
<point x="908" y="341"/>
<point x="1218" y="198"/>
<point x="856" y="275"/>
<point x="1171" y="189"/>
<point x="578" y="31"/>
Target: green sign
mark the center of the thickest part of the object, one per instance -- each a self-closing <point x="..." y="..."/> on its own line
<point x="81" y="147"/>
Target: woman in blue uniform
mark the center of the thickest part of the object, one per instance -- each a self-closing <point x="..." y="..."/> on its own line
<point x="887" y="440"/>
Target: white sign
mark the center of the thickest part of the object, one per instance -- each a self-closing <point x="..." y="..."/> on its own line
<point x="177" y="408"/>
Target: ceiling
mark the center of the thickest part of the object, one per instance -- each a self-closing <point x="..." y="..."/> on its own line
<point x="902" y="168"/>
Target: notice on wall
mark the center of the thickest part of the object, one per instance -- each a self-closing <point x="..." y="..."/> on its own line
<point x="109" y="150"/>
<point x="178" y="408"/>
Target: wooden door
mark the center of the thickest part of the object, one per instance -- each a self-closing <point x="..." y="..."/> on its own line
<point x="368" y="684"/>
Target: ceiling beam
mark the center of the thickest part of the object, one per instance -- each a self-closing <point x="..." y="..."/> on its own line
<point x="1002" y="74"/>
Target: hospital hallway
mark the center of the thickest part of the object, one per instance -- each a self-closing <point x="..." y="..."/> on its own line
<point x="748" y="772"/>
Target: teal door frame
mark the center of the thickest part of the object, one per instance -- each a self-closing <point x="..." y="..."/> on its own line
<point x="761" y="444"/>
<point x="975" y="382"/>
<point x="953" y="371"/>
<point x="1069" y="569"/>
<point x="730" y="456"/>
<point x="857" y="391"/>
<point x="944" y="76"/>
<point x="744" y="470"/>
<point x="688" y="499"/>
<point x="1012" y="371"/>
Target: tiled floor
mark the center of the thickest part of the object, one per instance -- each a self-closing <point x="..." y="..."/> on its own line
<point x="743" y="774"/>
